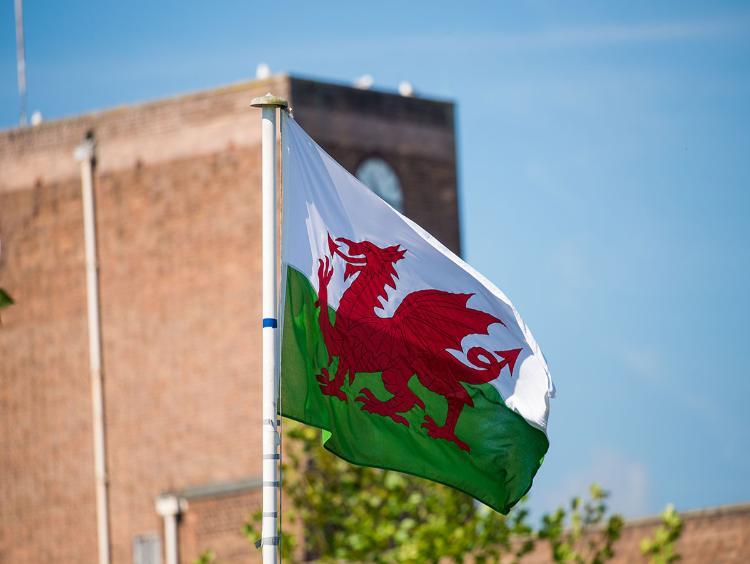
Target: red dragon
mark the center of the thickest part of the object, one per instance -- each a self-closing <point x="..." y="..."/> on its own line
<point x="414" y="341"/>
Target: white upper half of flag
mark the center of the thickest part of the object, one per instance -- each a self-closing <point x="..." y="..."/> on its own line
<point x="322" y="198"/>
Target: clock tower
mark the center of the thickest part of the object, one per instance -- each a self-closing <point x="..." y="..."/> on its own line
<point x="401" y="147"/>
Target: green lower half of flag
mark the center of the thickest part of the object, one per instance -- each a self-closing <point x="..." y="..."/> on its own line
<point x="505" y="451"/>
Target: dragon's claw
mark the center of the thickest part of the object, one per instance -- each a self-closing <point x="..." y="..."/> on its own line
<point x="399" y="419"/>
<point x="327" y="385"/>
<point x="367" y="395"/>
<point x="368" y="400"/>
<point x="325" y="273"/>
<point x="324" y="377"/>
<point x="331" y="390"/>
<point x="429" y="424"/>
<point x="440" y="432"/>
<point x="372" y="404"/>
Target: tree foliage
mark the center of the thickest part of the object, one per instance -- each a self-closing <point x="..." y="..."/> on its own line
<point x="206" y="557"/>
<point x="5" y="299"/>
<point x="659" y="548"/>
<point x="342" y="512"/>
<point x="583" y="532"/>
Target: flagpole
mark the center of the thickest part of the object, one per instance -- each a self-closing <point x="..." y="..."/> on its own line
<point x="270" y="526"/>
<point x="85" y="154"/>
<point x="20" y="62"/>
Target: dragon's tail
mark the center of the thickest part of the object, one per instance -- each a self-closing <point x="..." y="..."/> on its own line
<point x="489" y="366"/>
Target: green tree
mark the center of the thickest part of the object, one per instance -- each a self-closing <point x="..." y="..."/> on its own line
<point x="659" y="548"/>
<point x="207" y="557"/>
<point x="583" y="533"/>
<point x="5" y="299"/>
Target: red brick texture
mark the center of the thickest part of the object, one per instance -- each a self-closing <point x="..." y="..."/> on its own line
<point x="177" y="187"/>
<point x="46" y="460"/>
<point x="718" y="536"/>
<point x="211" y="523"/>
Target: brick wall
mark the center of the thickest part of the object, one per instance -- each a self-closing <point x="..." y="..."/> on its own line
<point x="719" y="535"/>
<point x="215" y="523"/>
<point x="46" y="460"/>
<point x="179" y="243"/>
<point x="179" y="231"/>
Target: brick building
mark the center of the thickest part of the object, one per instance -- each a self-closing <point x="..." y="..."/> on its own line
<point x="178" y="205"/>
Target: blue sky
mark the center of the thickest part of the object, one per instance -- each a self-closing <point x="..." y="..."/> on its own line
<point x="604" y="153"/>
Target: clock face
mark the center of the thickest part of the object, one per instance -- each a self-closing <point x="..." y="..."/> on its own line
<point x="379" y="177"/>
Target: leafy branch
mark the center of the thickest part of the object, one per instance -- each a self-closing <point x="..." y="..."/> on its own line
<point x="5" y="299"/>
<point x="582" y="533"/>
<point x="659" y="548"/>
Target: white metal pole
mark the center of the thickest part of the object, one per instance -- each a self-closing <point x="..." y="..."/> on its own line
<point x="271" y="456"/>
<point x="169" y="507"/>
<point x="85" y="155"/>
<point x="170" y="538"/>
<point x="20" y="61"/>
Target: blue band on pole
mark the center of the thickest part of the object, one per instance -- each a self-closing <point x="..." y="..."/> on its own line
<point x="269" y="322"/>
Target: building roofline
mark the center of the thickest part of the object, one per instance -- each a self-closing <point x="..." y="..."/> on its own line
<point x="216" y="489"/>
<point x="377" y="90"/>
<point x="228" y="88"/>
<point x="690" y="514"/>
<point x="222" y="89"/>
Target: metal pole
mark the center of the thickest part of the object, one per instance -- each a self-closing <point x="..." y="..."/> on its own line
<point x="21" y="61"/>
<point x="169" y="507"/>
<point x="86" y="156"/>
<point x="271" y="456"/>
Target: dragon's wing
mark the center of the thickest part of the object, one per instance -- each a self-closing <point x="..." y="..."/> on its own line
<point x="433" y="320"/>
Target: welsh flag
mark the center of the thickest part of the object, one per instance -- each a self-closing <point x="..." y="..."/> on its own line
<point x="406" y="356"/>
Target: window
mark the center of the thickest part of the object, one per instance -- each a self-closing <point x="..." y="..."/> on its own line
<point x="147" y="549"/>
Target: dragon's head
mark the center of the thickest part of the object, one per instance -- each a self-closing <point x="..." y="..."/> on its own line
<point x="365" y="256"/>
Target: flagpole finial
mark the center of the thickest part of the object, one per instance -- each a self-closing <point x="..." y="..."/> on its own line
<point x="269" y="100"/>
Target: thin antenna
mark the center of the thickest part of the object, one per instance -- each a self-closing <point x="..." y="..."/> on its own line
<point x="21" y="61"/>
